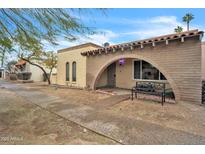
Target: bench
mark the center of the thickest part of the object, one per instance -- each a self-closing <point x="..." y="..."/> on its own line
<point x="151" y="88"/>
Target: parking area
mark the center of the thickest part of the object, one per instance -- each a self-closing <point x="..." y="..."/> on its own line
<point x="46" y="114"/>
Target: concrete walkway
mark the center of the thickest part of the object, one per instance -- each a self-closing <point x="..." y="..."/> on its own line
<point x="122" y="129"/>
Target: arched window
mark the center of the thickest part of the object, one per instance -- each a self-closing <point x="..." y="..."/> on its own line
<point x="74" y="71"/>
<point x="67" y="71"/>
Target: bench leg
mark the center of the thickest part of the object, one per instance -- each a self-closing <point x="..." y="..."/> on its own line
<point x="135" y="95"/>
<point x="132" y="94"/>
<point x="164" y="98"/>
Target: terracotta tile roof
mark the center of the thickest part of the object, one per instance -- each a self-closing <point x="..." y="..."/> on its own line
<point x="123" y="46"/>
<point x="79" y="46"/>
<point x="20" y="62"/>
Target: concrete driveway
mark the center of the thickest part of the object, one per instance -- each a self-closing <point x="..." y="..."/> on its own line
<point x="102" y="120"/>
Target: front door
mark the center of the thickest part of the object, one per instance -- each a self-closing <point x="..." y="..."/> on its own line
<point x="111" y="75"/>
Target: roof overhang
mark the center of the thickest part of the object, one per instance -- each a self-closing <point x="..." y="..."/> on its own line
<point x="142" y="43"/>
<point x="79" y="46"/>
<point x="20" y="62"/>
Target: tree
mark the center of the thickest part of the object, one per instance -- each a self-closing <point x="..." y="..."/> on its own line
<point x="44" y="24"/>
<point x="50" y="61"/>
<point x="9" y="64"/>
<point x="31" y="51"/>
<point x="28" y="28"/>
<point x="187" y="18"/>
<point x="179" y="29"/>
<point x="5" y="48"/>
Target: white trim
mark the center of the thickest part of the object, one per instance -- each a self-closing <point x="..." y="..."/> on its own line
<point x="141" y="69"/>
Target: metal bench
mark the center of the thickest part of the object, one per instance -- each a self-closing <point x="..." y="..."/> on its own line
<point x="151" y="88"/>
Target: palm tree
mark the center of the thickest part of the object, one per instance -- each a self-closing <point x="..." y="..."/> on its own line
<point x="179" y="29"/>
<point x="187" y="18"/>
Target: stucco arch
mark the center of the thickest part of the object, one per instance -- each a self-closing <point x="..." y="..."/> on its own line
<point x="135" y="56"/>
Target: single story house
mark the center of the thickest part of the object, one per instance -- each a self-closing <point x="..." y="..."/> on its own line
<point x="175" y="59"/>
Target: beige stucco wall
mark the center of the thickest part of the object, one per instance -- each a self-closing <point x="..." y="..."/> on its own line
<point x="203" y="61"/>
<point x="102" y="80"/>
<point x="180" y="62"/>
<point x="124" y="76"/>
<point x="71" y="56"/>
<point x="53" y="78"/>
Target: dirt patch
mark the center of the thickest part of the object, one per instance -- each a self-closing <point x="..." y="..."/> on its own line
<point x="74" y="95"/>
<point x="25" y="123"/>
<point x="176" y="116"/>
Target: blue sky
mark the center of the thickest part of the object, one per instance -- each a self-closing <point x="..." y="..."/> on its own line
<point x="123" y="25"/>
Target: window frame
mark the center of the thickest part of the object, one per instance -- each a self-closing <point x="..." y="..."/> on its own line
<point x="67" y="73"/>
<point x="133" y="72"/>
<point x="74" y="78"/>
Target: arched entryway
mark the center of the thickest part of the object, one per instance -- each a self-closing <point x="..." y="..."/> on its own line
<point x="178" y="57"/>
<point x="120" y="69"/>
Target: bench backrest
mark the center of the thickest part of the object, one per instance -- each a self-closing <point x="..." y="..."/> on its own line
<point x="151" y="86"/>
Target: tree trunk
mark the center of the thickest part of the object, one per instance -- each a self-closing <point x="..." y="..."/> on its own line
<point x="48" y="79"/>
<point x="187" y="26"/>
<point x="50" y="73"/>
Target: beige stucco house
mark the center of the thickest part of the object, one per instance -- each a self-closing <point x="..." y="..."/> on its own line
<point x="175" y="59"/>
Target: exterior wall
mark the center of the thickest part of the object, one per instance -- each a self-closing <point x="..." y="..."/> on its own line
<point x="71" y="56"/>
<point x="179" y="62"/>
<point x="37" y="73"/>
<point x="102" y="82"/>
<point x="203" y="61"/>
<point x="122" y="80"/>
<point x="53" y="78"/>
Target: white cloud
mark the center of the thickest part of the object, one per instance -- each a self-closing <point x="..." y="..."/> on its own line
<point x="171" y="20"/>
<point x="156" y="26"/>
<point x="134" y="29"/>
<point x="98" y="38"/>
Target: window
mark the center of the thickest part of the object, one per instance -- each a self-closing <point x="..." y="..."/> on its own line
<point x="136" y="69"/>
<point x="149" y="72"/>
<point x="144" y="70"/>
<point x="74" y="71"/>
<point x="162" y="77"/>
<point x="67" y="71"/>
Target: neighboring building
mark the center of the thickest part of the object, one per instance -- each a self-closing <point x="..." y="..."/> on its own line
<point x="2" y="73"/>
<point x="36" y="73"/>
<point x="175" y="59"/>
